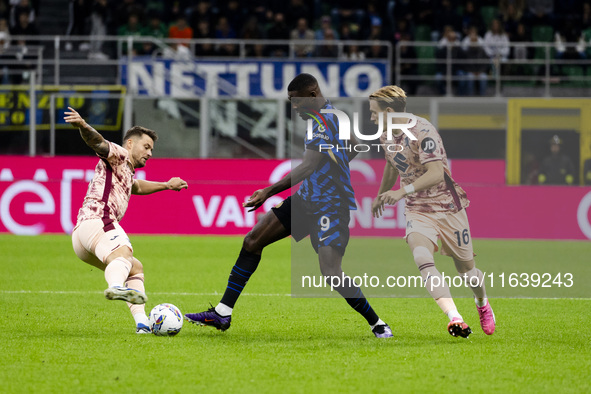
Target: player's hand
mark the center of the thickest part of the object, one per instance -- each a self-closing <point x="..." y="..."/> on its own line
<point x="377" y="207"/>
<point x="74" y="118"/>
<point x="176" y="184"/>
<point x="391" y="197"/>
<point x="257" y="199"/>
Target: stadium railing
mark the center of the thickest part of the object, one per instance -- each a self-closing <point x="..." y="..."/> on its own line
<point x="541" y="66"/>
<point x="61" y="66"/>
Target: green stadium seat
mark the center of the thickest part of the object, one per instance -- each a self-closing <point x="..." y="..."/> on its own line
<point x="573" y="71"/>
<point x="425" y="53"/>
<point x="542" y="34"/>
<point x="423" y="33"/>
<point x="488" y="13"/>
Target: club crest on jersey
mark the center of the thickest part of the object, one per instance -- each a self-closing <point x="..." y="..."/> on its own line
<point x="320" y="121"/>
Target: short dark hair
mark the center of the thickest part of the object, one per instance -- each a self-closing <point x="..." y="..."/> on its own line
<point x="139" y="131"/>
<point x="302" y="82"/>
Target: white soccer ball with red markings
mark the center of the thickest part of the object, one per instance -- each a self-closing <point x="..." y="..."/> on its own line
<point x="165" y="320"/>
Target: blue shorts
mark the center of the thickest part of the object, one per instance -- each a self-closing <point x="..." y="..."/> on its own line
<point x="327" y="225"/>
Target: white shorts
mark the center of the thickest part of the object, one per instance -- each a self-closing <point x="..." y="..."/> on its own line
<point x="453" y="230"/>
<point x="91" y="242"/>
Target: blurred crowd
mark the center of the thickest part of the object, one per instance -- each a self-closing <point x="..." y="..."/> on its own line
<point x="463" y="29"/>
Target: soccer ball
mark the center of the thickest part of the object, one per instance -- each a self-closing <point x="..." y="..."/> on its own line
<point x="165" y="320"/>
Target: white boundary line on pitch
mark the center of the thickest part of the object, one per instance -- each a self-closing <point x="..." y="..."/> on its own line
<point x="255" y="294"/>
<point x="154" y="293"/>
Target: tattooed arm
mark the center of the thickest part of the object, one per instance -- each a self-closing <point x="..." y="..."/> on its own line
<point x="92" y="137"/>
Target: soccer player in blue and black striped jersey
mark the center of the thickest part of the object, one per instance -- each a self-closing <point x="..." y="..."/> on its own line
<point x="321" y="209"/>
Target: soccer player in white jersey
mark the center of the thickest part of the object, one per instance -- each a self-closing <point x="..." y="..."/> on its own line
<point x="98" y="239"/>
<point x="435" y="207"/>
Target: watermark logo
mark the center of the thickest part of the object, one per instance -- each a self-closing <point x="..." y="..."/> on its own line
<point x="345" y="124"/>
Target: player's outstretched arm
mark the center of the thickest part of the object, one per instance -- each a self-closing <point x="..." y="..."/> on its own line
<point x="141" y="187"/>
<point x="389" y="178"/>
<point x="311" y="161"/>
<point x="92" y="137"/>
<point x="432" y="177"/>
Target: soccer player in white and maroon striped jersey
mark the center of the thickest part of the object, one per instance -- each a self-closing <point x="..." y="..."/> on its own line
<point x="98" y="239"/>
<point x="435" y="207"/>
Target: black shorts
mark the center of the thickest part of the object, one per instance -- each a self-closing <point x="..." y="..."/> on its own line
<point x="327" y="225"/>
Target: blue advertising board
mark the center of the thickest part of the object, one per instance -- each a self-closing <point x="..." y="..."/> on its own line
<point x="249" y="78"/>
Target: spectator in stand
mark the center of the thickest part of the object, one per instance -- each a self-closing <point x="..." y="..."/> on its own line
<point x="4" y="10"/>
<point x="472" y="46"/>
<point x="472" y="17"/>
<point x="328" y="50"/>
<point x="203" y="31"/>
<point x="201" y="12"/>
<point x="369" y="16"/>
<point x="539" y="12"/>
<point x="24" y="28"/>
<point x="99" y="20"/>
<point x="132" y="28"/>
<point x="155" y="28"/>
<point x="352" y="52"/>
<point x="518" y="6"/>
<point x="251" y="31"/>
<point x="225" y="31"/>
<point x="4" y="46"/>
<point x="296" y="11"/>
<point x="407" y="69"/>
<point x="585" y="19"/>
<point x="79" y="13"/>
<point x="278" y="31"/>
<point x="521" y="53"/>
<point x="376" y="32"/>
<point x="235" y="14"/>
<point x="346" y="11"/>
<point x="563" y="43"/>
<point x="125" y="9"/>
<point x="325" y="24"/>
<point x="302" y="32"/>
<point x="19" y="7"/>
<point x="447" y="15"/>
<point x="348" y="32"/>
<point x="403" y="10"/>
<point x="511" y="17"/>
<point x="180" y="30"/>
<point x="496" y="42"/>
<point x="402" y="28"/>
<point x="4" y="26"/>
<point x="450" y="44"/>
<point x="423" y="11"/>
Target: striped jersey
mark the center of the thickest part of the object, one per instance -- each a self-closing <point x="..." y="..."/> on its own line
<point x="330" y="183"/>
<point x="110" y="189"/>
<point x="409" y="158"/>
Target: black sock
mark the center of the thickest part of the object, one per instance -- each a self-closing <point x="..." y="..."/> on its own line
<point x="355" y="298"/>
<point x="245" y="266"/>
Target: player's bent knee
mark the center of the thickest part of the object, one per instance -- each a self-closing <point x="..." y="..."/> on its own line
<point x="251" y="244"/>
<point x="123" y="251"/>
<point x="136" y="267"/>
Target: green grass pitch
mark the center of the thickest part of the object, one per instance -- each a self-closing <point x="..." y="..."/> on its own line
<point x="59" y="334"/>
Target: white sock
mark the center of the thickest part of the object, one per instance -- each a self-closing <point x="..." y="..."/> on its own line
<point x="141" y="318"/>
<point x="480" y="302"/>
<point x="379" y="323"/>
<point x="452" y="314"/>
<point x="116" y="285"/>
<point x="223" y="310"/>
